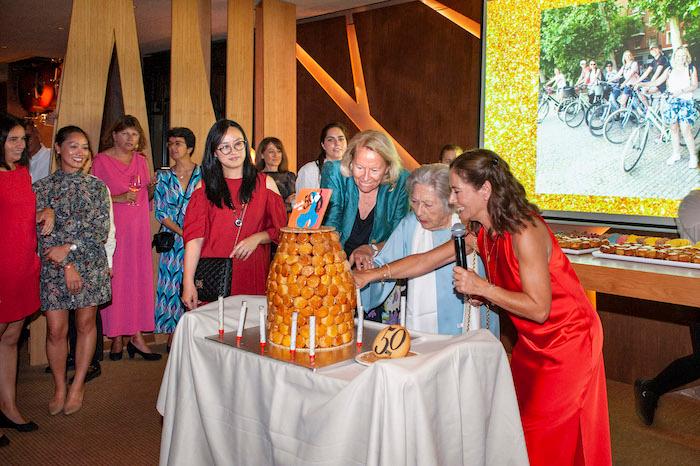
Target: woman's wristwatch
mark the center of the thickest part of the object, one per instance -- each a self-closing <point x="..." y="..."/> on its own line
<point x="375" y="249"/>
<point x="73" y="247"/>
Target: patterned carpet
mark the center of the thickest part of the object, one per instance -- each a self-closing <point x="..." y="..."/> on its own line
<point x="119" y="424"/>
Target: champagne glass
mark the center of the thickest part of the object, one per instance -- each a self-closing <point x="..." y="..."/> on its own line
<point x="134" y="187"/>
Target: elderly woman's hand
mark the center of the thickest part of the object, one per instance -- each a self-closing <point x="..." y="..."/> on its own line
<point x="362" y="278"/>
<point x="362" y="257"/>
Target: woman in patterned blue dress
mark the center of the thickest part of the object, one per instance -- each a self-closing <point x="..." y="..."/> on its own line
<point x="173" y="191"/>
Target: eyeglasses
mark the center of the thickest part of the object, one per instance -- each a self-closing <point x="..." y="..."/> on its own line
<point x="238" y="146"/>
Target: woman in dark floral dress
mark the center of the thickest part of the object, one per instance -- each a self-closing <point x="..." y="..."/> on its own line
<point x="74" y="270"/>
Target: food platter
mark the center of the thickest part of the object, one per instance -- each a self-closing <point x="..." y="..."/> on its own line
<point x="646" y="260"/>
<point x="578" y="252"/>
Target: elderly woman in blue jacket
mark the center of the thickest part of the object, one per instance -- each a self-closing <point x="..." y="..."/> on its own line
<point x="431" y="308"/>
<point x="369" y="196"/>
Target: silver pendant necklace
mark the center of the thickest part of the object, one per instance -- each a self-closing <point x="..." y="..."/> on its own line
<point x="239" y="221"/>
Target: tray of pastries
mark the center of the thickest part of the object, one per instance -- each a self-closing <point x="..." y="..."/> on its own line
<point x="579" y="243"/>
<point x="653" y="250"/>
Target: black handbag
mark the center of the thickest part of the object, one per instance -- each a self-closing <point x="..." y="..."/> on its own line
<point x="164" y="241"/>
<point x="213" y="275"/>
<point x="213" y="278"/>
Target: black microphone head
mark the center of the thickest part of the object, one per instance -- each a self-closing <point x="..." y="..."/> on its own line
<point x="458" y="230"/>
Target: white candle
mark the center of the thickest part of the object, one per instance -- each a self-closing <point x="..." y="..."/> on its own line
<point x="241" y="320"/>
<point x="221" y="315"/>
<point x="360" y="324"/>
<point x="293" y="338"/>
<point x="402" y="312"/>
<point x="261" y="310"/>
<point x="359" y="298"/>
<point x="312" y="337"/>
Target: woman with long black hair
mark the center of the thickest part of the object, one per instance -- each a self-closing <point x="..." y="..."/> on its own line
<point x="237" y="213"/>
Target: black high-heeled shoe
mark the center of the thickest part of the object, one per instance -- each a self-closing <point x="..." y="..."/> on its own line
<point x="8" y="424"/>
<point x="115" y="356"/>
<point x="4" y="441"/>
<point x="132" y="350"/>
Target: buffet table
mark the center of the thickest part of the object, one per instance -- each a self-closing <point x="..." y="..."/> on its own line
<point x="453" y="403"/>
<point x="638" y="280"/>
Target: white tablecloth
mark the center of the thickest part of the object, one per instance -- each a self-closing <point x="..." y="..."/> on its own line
<point x="452" y="404"/>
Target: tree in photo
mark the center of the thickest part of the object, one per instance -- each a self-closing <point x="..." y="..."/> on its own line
<point x="592" y="31"/>
<point x="682" y="17"/>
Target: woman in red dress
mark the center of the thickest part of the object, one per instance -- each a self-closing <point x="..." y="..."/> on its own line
<point x="557" y="362"/>
<point x="236" y="213"/>
<point x="19" y="263"/>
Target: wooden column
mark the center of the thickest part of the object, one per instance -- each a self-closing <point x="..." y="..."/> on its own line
<point x="239" y="63"/>
<point x="275" y="75"/>
<point x="96" y="28"/>
<point x="190" y="100"/>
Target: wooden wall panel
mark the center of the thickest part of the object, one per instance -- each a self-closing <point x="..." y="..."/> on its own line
<point x="470" y="8"/>
<point x="275" y="78"/>
<point x="422" y="74"/>
<point x="96" y="28"/>
<point x="642" y="337"/>
<point x="239" y="63"/>
<point x="326" y="41"/>
<point x="190" y="101"/>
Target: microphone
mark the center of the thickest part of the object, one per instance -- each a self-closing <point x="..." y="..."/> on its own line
<point x="459" y="231"/>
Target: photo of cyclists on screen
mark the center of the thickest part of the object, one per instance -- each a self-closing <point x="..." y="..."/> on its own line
<point x="619" y="104"/>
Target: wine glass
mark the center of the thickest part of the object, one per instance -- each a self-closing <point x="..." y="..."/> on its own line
<point x="134" y="187"/>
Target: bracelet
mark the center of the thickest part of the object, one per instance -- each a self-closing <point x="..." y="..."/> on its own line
<point x="69" y="266"/>
<point x="386" y="275"/>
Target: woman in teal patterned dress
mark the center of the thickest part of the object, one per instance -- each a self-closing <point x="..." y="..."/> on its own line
<point x="74" y="269"/>
<point x="173" y="191"/>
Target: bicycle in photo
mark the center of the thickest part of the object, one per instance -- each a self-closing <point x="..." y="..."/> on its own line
<point x="619" y="124"/>
<point x="596" y="116"/>
<point x="637" y="141"/>
<point x="569" y="97"/>
<point x="546" y="99"/>
<point x="575" y="113"/>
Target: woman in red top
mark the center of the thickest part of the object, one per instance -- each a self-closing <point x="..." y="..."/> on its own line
<point x="19" y="263"/>
<point x="234" y="201"/>
<point x="557" y="362"/>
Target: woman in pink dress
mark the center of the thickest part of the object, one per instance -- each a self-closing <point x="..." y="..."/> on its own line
<point x="125" y="171"/>
<point x="19" y="263"/>
<point x="557" y="361"/>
